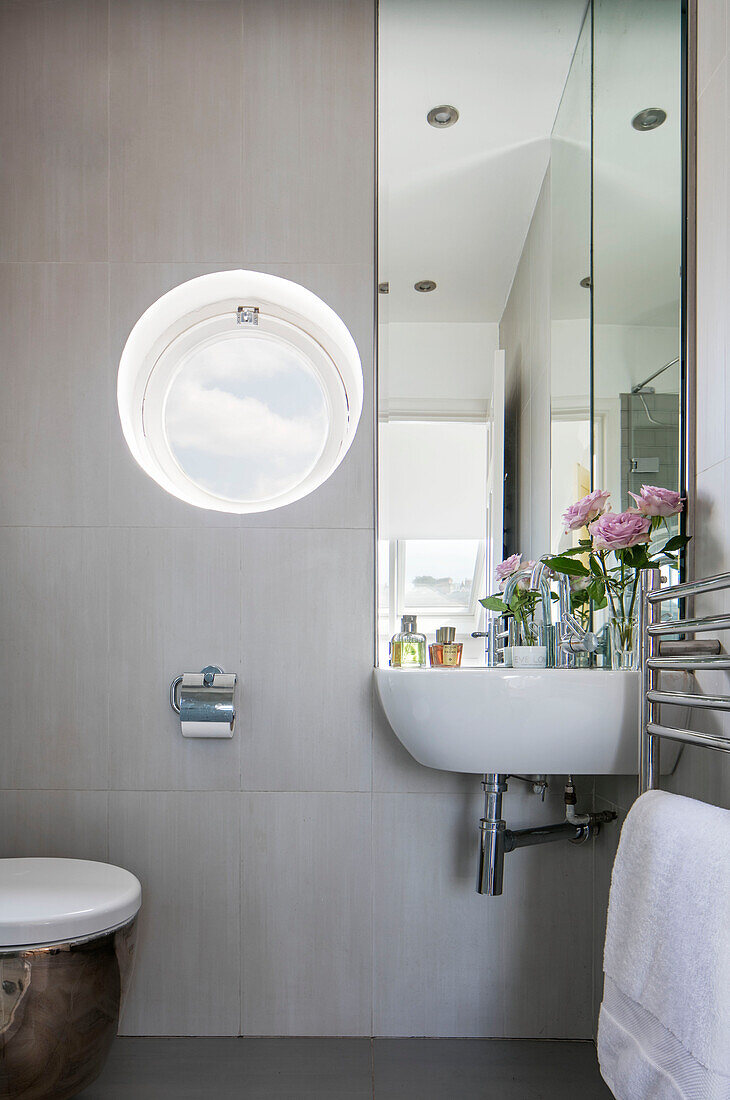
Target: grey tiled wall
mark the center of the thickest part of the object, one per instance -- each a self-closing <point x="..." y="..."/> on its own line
<point x="306" y="877"/>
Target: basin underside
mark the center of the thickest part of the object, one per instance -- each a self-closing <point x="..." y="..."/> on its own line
<point x="59" y="1012"/>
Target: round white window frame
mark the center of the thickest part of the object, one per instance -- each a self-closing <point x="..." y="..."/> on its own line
<point x="194" y="313"/>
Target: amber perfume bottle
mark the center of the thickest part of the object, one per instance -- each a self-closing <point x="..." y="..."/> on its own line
<point x="408" y="647"/>
<point x="445" y="652"/>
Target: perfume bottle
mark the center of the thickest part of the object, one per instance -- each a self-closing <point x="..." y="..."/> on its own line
<point x="408" y="647"/>
<point x="445" y="652"/>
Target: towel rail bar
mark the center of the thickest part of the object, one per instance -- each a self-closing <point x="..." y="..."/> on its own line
<point x="656" y="656"/>
<point x="685" y="699"/>
<point x="688" y="664"/>
<point x="690" y="737"/>
<point x="690" y="588"/>
<point x="686" y="626"/>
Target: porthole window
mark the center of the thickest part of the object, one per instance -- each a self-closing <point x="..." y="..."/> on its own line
<point x="239" y="391"/>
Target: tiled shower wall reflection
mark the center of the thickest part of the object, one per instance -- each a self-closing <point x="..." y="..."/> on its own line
<point x="306" y="877"/>
<point x="649" y="441"/>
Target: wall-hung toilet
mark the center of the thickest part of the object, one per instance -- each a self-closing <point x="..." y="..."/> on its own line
<point x="67" y="936"/>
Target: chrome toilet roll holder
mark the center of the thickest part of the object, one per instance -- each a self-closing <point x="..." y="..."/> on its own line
<point x="204" y="702"/>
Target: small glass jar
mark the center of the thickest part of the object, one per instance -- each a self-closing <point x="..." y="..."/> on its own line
<point x="445" y="652"/>
<point x="408" y="647"/>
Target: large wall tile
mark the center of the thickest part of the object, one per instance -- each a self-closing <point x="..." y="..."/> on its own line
<point x="306" y="935"/>
<point x="712" y="526"/>
<point x="541" y="279"/>
<point x="711" y="38"/>
<point x="701" y="774"/>
<point x="605" y="854"/>
<point x="309" y="130"/>
<point x="69" y="824"/>
<point x="181" y="613"/>
<point x="540" y="465"/>
<point x="307" y="656"/>
<point x="712" y="271"/>
<point x="54" y="168"/>
<point x="450" y="962"/>
<point x="176" y="116"/>
<point x="619" y="791"/>
<point x="54" y="657"/>
<point x="54" y="413"/>
<point x="523" y="503"/>
<point x="184" y="848"/>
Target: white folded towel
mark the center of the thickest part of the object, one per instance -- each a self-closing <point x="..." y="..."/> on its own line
<point x="664" y="1026"/>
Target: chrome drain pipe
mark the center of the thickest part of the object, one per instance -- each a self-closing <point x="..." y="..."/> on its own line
<point x="496" y="839"/>
<point x="493" y="828"/>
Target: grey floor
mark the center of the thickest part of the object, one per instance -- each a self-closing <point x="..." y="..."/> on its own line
<point x="297" y="1069"/>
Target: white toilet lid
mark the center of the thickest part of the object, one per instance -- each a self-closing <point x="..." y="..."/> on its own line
<point x="55" y="900"/>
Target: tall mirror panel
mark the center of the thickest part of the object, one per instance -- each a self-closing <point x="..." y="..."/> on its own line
<point x="530" y="238"/>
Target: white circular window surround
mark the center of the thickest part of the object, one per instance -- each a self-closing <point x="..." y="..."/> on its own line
<point x="239" y="391"/>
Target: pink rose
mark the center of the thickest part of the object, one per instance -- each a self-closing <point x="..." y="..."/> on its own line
<point x="654" y="501"/>
<point x="583" y="511"/>
<point x="620" y="530"/>
<point x="507" y="567"/>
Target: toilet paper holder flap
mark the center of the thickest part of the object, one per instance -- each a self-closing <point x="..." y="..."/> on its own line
<point x="204" y="702"/>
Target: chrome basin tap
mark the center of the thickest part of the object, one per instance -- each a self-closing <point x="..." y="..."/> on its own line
<point x="539" y="582"/>
<point x="572" y="638"/>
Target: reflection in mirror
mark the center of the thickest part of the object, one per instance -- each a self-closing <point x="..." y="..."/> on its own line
<point x="570" y="293"/>
<point x="456" y="203"/>
<point x="637" y="234"/>
<point x="530" y="237"/>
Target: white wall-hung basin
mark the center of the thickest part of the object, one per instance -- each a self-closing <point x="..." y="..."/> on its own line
<point x="555" y="721"/>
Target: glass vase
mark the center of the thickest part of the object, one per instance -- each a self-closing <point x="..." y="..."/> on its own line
<point x="624" y="635"/>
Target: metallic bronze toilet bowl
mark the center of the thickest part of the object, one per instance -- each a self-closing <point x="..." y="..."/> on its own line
<point x="59" y="1012"/>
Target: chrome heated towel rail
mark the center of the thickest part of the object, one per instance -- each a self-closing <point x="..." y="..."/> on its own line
<point x="691" y="655"/>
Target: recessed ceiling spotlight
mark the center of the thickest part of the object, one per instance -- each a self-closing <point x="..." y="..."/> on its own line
<point x="586" y="283"/>
<point x="649" y="118"/>
<point x="442" y="116"/>
<point x="424" y="286"/>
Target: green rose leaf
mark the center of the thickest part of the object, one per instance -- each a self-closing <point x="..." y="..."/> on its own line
<point x="566" y="565"/>
<point x="494" y="603"/>
<point x="571" y="553"/>
<point x="675" y="543"/>
<point x="635" y="557"/>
